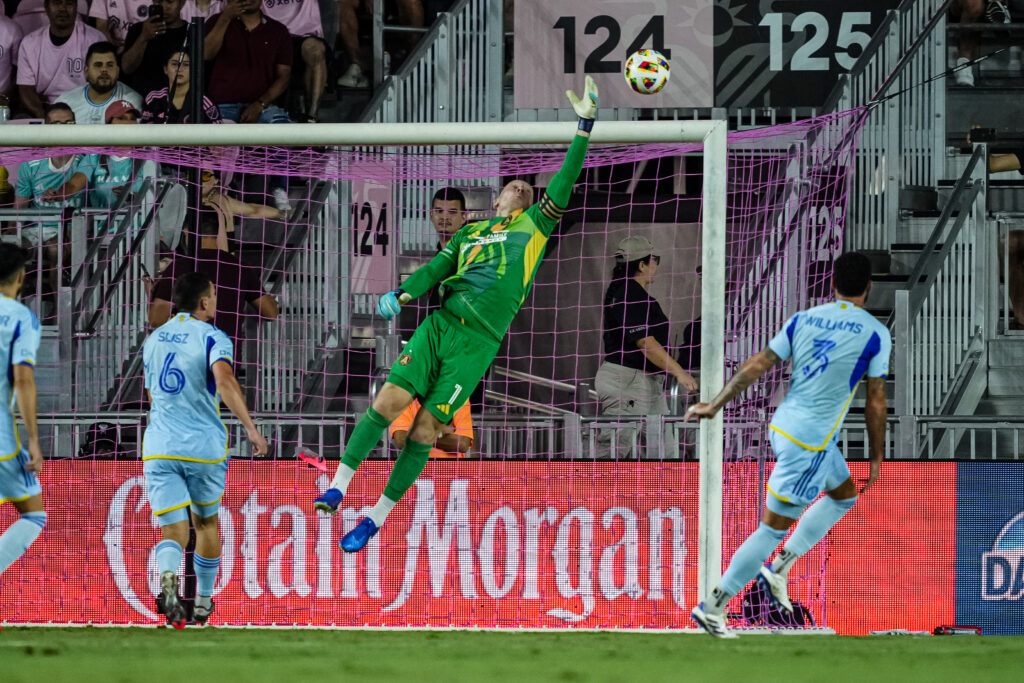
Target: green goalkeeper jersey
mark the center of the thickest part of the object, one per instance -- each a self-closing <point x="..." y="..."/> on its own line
<point x="487" y="268"/>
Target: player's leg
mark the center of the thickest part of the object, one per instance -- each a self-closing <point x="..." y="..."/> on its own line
<point x="22" y="488"/>
<point x="410" y="375"/>
<point x="169" y="501"/>
<point x="206" y="484"/>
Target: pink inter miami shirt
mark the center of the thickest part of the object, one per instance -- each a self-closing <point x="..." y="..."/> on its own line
<point x="10" y="40"/>
<point x="300" y="17"/>
<point x="55" y="69"/>
<point x="121" y="15"/>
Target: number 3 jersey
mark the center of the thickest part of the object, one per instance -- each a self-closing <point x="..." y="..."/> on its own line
<point x="833" y="347"/>
<point x="184" y="415"/>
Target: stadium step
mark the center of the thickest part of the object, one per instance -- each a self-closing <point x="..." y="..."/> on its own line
<point x="1006" y="367"/>
<point x="905" y="255"/>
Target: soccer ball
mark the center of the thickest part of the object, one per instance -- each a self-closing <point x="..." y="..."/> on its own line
<point x="646" y="71"/>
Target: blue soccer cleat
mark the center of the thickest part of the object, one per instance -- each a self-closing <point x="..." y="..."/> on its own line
<point x="777" y="588"/>
<point x="713" y="624"/>
<point x="356" y="540"/>
<point x="328" y="501"/>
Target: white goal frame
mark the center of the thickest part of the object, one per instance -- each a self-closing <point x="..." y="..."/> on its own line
<point x="711" y="134"/>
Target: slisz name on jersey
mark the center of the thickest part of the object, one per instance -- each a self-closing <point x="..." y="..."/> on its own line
<point x="834" y="325"/>
<point x="169" y="338"/>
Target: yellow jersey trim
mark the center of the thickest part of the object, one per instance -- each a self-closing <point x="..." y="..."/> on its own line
<point x="171" y="509"/>
<point x="824" y="444"/>
<point x="212" y="502"/>
<point x="17" y="441"/>
<point x="782" y="498"/>
<point x="186" y="459"/>
<point x="17" y="500"/>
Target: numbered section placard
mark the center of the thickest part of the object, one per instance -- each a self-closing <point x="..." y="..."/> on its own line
<point x="558" y="41"/>
<point x="372" y="225"/>
<point x="723" y="53"/>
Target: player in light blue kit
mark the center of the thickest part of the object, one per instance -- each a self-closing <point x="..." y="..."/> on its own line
<point x="833" y="347"/>
<point x="19" y="467"/>
<point x="188" y="366"/>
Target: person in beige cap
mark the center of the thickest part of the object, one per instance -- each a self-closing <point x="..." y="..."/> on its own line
<point x="630" y="380"/>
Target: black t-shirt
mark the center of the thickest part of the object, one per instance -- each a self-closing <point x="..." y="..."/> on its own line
<point x="238" y="287"/>
<point x="149" y="75"/>
<point x="631" y="314"/>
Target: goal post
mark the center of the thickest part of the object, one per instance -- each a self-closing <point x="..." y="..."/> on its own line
<point x="626" y="541"/>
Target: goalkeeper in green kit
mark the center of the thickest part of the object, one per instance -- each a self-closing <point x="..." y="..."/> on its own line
<point x="485" y="273"/>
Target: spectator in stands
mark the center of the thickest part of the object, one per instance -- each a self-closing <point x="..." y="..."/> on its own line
<point x="113" y="175"/>
<point x="101" y="89"/>
<point x="51" y="60"/>
<point x="173" y="103"/>
<point x="36" y="178"/>
<point x="971" y="12"/>
<point x="630" y="380"/>
<point x="10" y="41"/>
<point x="149" y="43"/>
<point x="201" y="8"/>
<point x="240" y="293"/>
<point x="309" y="54"/>
<point x="348" y="34"/>
<point x="31" y="14"/>
<point x="252" y="65"/>
<point x="115" y="17"/>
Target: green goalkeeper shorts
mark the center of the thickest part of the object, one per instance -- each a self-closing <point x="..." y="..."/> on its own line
<point x="442" y="363"/>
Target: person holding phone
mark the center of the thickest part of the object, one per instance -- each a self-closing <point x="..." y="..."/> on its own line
<point x="114" y="18"/>
<point x="151" y="42"/>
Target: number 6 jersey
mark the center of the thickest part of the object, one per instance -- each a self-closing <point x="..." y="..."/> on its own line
<point x="833" y="347"/>
<point x="184" y="416"/>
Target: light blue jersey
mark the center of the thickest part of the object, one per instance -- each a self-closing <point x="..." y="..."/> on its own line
<point x="184" y="416"/>
<point x="19" y="343"/>
<point x="833" y="346"/>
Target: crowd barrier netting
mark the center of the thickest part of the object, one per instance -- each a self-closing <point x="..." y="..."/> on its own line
<point x="564" y="514"/>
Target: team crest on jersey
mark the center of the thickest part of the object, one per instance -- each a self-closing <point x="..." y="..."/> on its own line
<point x="405" y="359"/>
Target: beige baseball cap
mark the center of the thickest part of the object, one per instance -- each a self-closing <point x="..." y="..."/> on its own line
<point x="633" y="248"/>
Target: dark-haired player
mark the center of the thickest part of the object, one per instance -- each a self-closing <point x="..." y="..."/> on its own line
<point x="833" y="347"/>
<point x="19" y="466"/>
<point x="188" y="367"/>
<point x="485" y="272"/>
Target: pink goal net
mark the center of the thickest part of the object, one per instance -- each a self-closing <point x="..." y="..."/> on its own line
<point x="576" y="505"/>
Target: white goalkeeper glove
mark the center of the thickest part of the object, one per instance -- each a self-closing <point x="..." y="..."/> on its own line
<point x="586" y="107"/>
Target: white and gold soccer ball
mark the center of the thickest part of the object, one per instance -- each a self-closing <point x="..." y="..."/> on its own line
<point x="646" y="71"/>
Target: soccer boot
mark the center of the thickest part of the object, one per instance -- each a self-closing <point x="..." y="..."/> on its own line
<point x="328" y="501"/>
<point x="713" y="624"/>
<point x="174" y="611"/>
<point x="201" y="613"/>
<point x="356" y="540"/>
<point x="777" y="588"/>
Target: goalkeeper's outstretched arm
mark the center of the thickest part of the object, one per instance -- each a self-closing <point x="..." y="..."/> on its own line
<point x="420" y="282"/>
<point x="555" y="199"/>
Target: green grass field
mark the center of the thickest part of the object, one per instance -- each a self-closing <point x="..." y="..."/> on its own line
<point x="110" y="655"/>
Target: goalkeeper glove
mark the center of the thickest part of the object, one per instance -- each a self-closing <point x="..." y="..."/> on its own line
<point x="586" y="108"/>
<point x="391" y="303"/>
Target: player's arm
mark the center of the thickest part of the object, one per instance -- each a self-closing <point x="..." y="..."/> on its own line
<point x="657" y="354"/>
<point x="419" y="283"/>
<point x="875" y="415"/>
<point x="232" y="396"/>
<point x="547" y="212"/>
<point x="997" y="163"/>
<point x="749" y="372"/>
<point x="25" y="388"/>
<point x="453" y="443"/>
<point x="71" y="187"/>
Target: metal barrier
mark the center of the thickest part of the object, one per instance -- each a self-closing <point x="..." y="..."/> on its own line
<point x="903" y="140"/>
<point x="454" y="74"/>
<point x="945" y="318"/>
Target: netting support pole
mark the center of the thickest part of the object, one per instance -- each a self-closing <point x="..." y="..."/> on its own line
<point x="712" y="342"/>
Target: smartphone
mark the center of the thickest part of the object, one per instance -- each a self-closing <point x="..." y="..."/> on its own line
<point x="156" y="11"/>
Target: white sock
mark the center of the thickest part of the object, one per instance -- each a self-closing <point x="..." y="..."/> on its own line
<point x="783" y="562"/>
<point x="342" y="477"/>
<point x="380" y="511"/>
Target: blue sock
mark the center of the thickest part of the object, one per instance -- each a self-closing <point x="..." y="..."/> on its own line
<point x="747" y="561"/>
<point x="19" y="536"/>
<point x="168" y="556"/>
<point x="206" y="574"/>
<point x="811" y="528"/>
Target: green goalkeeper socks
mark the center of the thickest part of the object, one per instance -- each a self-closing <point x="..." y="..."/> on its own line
<point x="411" y="462"/>
<point x="364" y="438"/>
